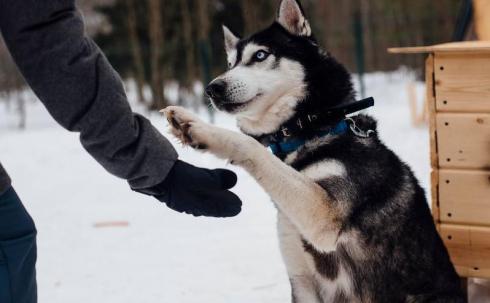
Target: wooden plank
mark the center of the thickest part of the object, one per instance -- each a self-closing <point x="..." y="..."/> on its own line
<point x="482" y="19"/>
<point x="465" y="46"/>
<point x="411" y="50"/>
<point x="455" y="235"/>
<point x="464" y="196"/>
<point x="463" y="140"/>
<point x="430" y="99"/>
<point x="471" y="260"/>
<point x="434" y="181"/>
<point x="480" y="237"/>
<point x="462" y="82"/>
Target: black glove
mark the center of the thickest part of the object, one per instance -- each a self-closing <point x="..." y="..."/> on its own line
<point x="198" y="191"/>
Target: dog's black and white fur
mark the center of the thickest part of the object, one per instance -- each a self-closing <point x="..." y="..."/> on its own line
<point x="353" y="222"/>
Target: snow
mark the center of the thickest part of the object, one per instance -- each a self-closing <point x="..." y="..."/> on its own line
<point x="162" y="256"/>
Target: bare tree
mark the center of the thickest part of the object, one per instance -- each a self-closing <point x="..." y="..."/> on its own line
<point x="21" y="110"/>
<point x="189" y="44"/>
<point x="136" y="53"/>
<point x="156" y="53"/>
<point x="204" y="27"/>
<point x="250" y="15"/>
<point x="94" y="21"/>
<point x="190" y="75"/>
<point x="257" y="14"/>
<point x="12" y="84"/>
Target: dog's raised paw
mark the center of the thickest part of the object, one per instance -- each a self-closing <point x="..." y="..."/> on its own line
<point x="172" y="120"/>
<point x="181" y="123"/>
<point x="187" y="137"/>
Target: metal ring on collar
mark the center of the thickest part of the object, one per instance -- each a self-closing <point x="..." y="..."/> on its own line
<point x="357" y="131"/>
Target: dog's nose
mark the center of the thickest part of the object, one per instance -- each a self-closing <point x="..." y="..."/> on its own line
<point x="216" y="89"/>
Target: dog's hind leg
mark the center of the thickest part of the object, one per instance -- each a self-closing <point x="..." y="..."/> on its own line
<point x="303" y="283"/>
<point x="456" y="297"/>
<point x="441" y="298"/>
<point x="307" y="205"/>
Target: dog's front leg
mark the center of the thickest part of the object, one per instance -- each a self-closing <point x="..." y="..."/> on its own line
<point x="303" y="201"/>
<point x="301" y="276"/>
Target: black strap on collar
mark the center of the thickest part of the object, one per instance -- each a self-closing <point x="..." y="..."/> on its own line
<point x="312" y="121"/>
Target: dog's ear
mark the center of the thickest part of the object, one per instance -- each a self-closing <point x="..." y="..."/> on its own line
<point x="292" y="18"/>
<point x="231" y="39"/>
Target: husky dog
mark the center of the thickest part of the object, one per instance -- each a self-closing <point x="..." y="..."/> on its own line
<point x="353" y="222"/>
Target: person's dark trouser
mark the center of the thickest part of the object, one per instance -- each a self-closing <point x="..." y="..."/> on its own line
<point x="17" y="251"/>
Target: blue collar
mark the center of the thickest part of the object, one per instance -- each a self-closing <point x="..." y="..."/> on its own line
<point x="291" y="145"/>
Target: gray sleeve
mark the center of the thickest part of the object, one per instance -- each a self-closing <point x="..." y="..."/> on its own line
<point x="80" y="89"/>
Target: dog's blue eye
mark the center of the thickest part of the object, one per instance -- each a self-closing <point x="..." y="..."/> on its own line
<point x="261" y="55"/>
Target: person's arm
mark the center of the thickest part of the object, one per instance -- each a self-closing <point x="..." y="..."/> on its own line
<point x="80" y="89"/>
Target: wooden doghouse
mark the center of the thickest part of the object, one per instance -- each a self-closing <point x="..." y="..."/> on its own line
<point x="458" y="96"/>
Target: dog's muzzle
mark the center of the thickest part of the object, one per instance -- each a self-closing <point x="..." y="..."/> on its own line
<point x="216" y="90"/>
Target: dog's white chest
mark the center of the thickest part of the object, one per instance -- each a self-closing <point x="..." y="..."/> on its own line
<point x="333" y="290"/>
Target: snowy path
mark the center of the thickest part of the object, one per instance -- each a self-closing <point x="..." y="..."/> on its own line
<point x="161" y="256"/>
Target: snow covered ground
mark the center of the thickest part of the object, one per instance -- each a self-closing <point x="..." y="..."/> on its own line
<point x="162" y="256"/>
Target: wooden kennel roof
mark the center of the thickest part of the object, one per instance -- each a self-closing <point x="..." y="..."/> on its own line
<point x="466" y="46"/>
